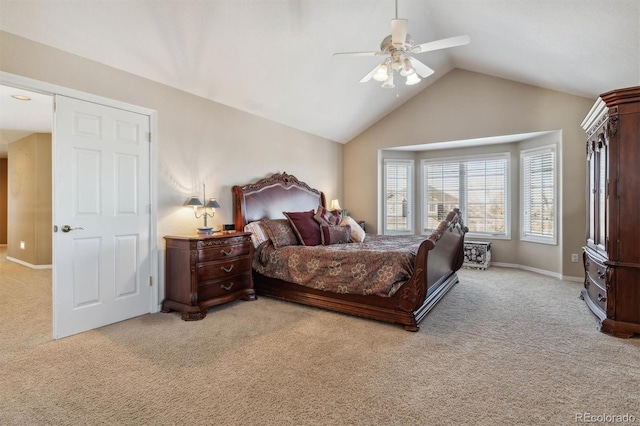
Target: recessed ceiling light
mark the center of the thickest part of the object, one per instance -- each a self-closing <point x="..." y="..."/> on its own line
<point x="21" y="97"/>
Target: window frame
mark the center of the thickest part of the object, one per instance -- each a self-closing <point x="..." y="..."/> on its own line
<point x="410" y="193"/>
<point x="525" y="233"/>
<point x="506" y="156"/>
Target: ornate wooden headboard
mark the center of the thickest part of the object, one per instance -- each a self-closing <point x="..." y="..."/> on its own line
<point x="271" y="196"/>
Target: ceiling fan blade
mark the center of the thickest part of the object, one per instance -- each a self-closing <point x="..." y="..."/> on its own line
<point x="442" y="44"/>
<point x="358" y="54"/>
<point x="422" y="70"/>
<point x="399" y="28"/>
<point x="370" y="75"/>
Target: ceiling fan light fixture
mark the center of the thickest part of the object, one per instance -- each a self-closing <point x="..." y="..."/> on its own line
<point x="412" y="79"/>
<point x="388" y="83"/>
<point x="381" y="74"/>
<point x="407" y="69"/>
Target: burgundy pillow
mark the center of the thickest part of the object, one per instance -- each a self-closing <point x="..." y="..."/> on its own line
<point x="306" y="228"/>
<point x="335" y="234"/>
<point x="329" y="217"/>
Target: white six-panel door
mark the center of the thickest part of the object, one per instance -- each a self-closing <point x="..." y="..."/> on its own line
<point x="102" y="194"/>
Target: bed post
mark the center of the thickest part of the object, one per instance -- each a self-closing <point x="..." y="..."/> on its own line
<point x="239" y="219"/>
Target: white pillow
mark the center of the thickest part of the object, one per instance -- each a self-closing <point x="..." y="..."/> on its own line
<point x="357" y="233"/>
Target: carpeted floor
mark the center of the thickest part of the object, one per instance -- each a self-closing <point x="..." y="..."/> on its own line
<point x="504" y="347"/>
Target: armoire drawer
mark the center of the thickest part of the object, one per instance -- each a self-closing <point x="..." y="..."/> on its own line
<point x="597" y="293"/>
<point x="597" y="271"/>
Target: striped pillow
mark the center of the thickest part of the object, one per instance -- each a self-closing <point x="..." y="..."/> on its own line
<point x="258" y="234"/>
<point x="328" y="217"/>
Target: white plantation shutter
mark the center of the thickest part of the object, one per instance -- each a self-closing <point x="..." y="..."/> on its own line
<point x="398" y="196"/>
<point x="478" y="186"/>
<point x="538" y="212"/>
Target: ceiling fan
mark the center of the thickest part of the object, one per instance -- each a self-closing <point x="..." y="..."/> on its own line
<point x="398" y="47"/>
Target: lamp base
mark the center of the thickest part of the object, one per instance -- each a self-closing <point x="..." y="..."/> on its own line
<point x="205" y="230"/>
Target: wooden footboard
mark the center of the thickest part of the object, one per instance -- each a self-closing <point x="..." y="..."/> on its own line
<point x="440" y="255"/>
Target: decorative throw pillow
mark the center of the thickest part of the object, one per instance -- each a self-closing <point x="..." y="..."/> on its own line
<point x="280" y="232"/>
<point x="258" y="234"/>
<point x="306" y="228"/>
<point x="357" y="233"/>
<point x="329" y="217"/>
<point x="334" y="234"/>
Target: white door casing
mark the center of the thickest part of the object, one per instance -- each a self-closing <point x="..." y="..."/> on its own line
<point x="101" y="189"/>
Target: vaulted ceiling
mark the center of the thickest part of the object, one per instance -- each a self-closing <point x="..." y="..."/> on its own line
<point x="274" y="58"/>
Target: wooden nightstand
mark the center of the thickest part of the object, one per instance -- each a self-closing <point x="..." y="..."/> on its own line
<point x="202" y="271"/>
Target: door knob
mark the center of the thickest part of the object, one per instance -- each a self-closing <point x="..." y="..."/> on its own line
<point x="67" y="228"/>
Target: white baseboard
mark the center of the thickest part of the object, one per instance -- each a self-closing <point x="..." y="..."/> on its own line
<point x="573" y="279"/>
<point x="28" y="265"/>
<point x="539" y="271"/>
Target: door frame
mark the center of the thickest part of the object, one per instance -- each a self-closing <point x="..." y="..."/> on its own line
<point x="26" y="83"/>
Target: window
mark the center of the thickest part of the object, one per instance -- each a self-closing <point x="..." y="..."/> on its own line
<point x="398" y="196"/>
<point x="538" y="210"/>
<point x="478" y="186"/>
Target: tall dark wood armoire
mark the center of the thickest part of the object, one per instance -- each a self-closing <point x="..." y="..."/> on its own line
<point x="612" y="251"/>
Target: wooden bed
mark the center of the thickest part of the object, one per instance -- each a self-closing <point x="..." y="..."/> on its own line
<point x="438" y="257"/>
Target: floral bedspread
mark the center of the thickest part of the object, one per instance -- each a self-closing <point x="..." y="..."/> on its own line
<point x="379" y="265"/>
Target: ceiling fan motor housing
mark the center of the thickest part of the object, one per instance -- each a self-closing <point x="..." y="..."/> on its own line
<point x="387" y="47"/>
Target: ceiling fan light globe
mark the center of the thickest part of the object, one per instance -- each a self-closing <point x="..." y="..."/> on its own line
<point x="381" y="73"/>
<point x="412" y="79"/>
<point x="406" y="72"/>
<point x="388" y="83"/>
<point x="380" y="77"/>
<point x="407" y="69"/>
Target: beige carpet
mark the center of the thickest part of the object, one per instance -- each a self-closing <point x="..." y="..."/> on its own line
<point x="504" y="347"/>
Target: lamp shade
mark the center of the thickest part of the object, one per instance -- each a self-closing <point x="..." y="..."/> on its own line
<point x="213" y="204"/>
<point x="335" y="205"/>
<point x="194" y="202"/>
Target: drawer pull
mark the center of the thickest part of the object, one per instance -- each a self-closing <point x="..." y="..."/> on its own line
<point x="227" y="287"/>
<point x="601" y="275"/>
<point x="227" y="252"/>
<point x="229" y="269"/>
<point x="601" y="298"/>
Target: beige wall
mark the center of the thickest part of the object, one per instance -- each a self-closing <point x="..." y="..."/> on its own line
<point x="29" y="200"/>
<point x="198" y="140"/>
<point x="466" y="105"/>
<point x="3" y="201"/>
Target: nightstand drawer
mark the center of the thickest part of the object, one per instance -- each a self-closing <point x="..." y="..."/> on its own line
<point x="224" y="286"/>
<point x="217" y="270"/>
<point x="223" y="252"/>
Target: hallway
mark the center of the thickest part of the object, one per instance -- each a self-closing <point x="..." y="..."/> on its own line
<point x="25" y="307"/>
